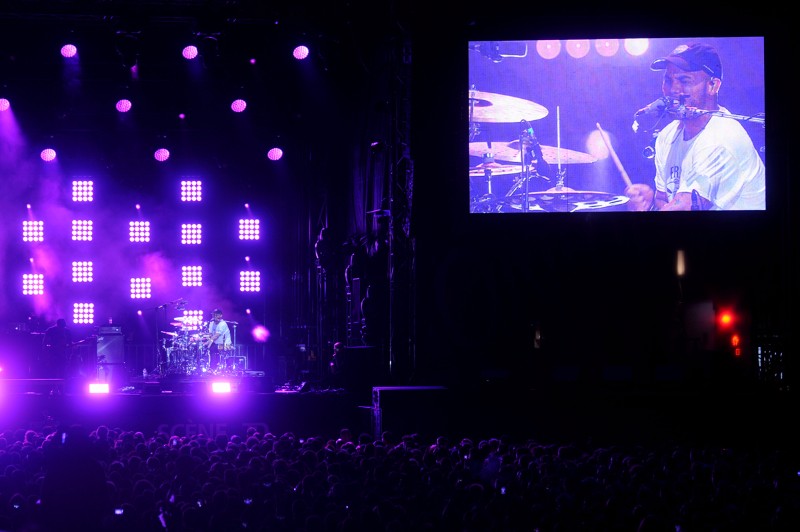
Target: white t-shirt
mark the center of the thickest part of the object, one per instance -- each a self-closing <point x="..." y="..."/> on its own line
<point x="720" y="163"/>
<point x="223" y="330"/>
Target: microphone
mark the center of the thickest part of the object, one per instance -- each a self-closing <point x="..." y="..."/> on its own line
<point x="528" y="129"/>
<point x="656" y="108"/>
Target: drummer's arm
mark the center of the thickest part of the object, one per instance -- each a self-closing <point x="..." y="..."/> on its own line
<point x="212" y="339"/>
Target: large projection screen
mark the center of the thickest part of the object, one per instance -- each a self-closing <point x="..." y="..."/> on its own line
<point x="569" y="125"/>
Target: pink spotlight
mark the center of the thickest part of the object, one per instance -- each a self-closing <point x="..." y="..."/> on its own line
<point x="578" y="48"/>
<point x="189" y="52"/>
<point x="238" y="106"/>
<point x="300" y="52"/>
<point x="548" y="49"/>
<point x="123" y="106"/>
<point x="98" y="388"/>
<point x="4" y="104"/>
<point x="275" y="154"/>
<point x="181" y="116"/>
<point x="221" y="387"/>
<point x="69" y="50"/>
<point x="48" y="154"/>
<point x="260" y="333"/>
<point x="161" y="155"/>
<point x="606" y="47"/>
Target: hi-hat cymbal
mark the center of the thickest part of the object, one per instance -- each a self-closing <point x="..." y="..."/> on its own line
<point x="498" y="108"/>
<point x="509" y="152"/>
<point x="495" y="168"/>
<point x="565" y="199"/>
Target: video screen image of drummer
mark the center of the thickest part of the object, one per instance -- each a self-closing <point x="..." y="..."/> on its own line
<point x="616" y="125"/>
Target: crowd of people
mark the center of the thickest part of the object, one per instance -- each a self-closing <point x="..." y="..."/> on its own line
<point x="104" y="478"/>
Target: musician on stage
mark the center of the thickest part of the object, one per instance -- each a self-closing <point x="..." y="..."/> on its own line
<point x="56" y="350"/>
<point x="219" y="339"/>
<point x="704" y="160"/>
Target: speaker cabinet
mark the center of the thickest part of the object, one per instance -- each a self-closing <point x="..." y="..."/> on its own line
<point x="111" y="349"/>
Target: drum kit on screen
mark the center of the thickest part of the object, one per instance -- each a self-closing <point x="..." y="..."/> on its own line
<point x="521" y="159"/>
<point x="185" y="351"/>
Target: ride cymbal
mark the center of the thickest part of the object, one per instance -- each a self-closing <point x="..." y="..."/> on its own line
<point x="509" y="152"/>
<point x="498" y="108"/>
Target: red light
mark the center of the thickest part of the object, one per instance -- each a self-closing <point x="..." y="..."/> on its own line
<point x="735" y="340"/>
<point x="726" y="318"/>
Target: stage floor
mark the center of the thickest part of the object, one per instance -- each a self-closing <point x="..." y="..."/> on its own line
<point x="185" y="405"/>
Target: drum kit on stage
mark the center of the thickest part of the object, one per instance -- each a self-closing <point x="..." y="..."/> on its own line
<point x="185" y="351"/>
<point x="518" y="158"/>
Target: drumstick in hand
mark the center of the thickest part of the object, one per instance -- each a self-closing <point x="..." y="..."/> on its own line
<point x="614" y="156"/>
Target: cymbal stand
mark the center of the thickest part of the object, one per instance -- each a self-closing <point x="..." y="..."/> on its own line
<point x="527" y="161"/>
<point x="474" y="128"/>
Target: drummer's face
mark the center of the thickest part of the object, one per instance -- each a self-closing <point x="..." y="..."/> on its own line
<point x="217" y="317"/>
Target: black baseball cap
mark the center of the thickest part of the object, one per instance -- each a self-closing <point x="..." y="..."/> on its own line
<point x="691" y="58"/>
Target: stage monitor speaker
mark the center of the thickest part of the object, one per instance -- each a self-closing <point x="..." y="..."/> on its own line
<point x="111" y="349"/>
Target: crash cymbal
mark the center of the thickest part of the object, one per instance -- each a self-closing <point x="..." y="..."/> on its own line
<point x="565" y="199"/>
<point x="498" y="108"/>
<point x="168" y="333"/>
<point x="176" y="324"/>
<point x="496" y="169"/>
<point x="183" y="318"/>
<point x="509" y="152"/>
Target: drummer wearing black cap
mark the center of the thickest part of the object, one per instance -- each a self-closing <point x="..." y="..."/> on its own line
<point x="219" y="339"/>
<point x="704" y="160"/>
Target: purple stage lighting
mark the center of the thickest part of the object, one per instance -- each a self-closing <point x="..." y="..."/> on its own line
<point x="191" y="191"/>
<point x="191" y="234"/>
<point x="48" y="155"/>
<point x="82" y="271"/>
<point x="32" y="284"/>
<point x="189" y="52"/>
<point x="123" y="106"/>
<point x="82" y="230"/>
<point x="69" y="50"/>
<point x="82" y="191"/>
<point x="4" y="104"/>
<point x="249" y="229"/>
<point x="238" y="106"/>
<point x="83" y="313"/>
<point x="275" y="154"/>
<point x="139" y="231"/>
<point x="300" y="52"/>
<point x="249" y="281"/>
<point x="141" y="288"/>
<point x="161" y="155"/>
<point x="192" y="275"/>
<point x="32" y="231"/>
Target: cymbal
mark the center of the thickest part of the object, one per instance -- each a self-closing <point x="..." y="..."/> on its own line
<point x="498" y="108"/>
<point x="565" y="200"/>
<point x="176" y="324"/>
<point x="183" y="318"/>
<point x="496" y="169"/>
<point x="168" y="333"/>
<point x="509" y="152"/>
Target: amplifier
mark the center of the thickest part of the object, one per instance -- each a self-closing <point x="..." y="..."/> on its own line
<point x="110" y="330"/>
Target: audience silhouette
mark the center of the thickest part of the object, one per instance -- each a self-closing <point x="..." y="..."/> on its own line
<point x="114" y="479"/>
